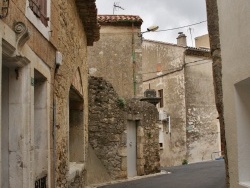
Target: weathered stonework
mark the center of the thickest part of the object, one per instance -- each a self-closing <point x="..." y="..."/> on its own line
<point x="72" y="26"/>
<point x="108" y="116"/>
<point x="189" y="126"/>
<point x="117" y="55"/>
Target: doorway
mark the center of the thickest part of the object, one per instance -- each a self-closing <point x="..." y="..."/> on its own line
<point x="131" y="148"/>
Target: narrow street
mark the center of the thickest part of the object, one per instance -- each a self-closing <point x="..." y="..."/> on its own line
<point x="199" y="175"/>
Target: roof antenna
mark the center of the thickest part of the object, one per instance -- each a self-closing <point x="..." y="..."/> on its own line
<point x="190" y="31"/>
<point x="116" y="7"/>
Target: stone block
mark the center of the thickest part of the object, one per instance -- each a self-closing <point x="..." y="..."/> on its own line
<point x="122" y="151"/>
<point x="122" y="174"/>
<point x="140" y="153"/>
<point x="124" y="164"/>
<point x="140" y="131"/>
<point x="140" y="162"/>
<point x="140" y="170"/>
<point x="114" y="138"/>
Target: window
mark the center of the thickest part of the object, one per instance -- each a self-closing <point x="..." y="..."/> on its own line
<point x="160" y="94"/>
<point x="38" y="13"/>
<point x="39" y="8"/>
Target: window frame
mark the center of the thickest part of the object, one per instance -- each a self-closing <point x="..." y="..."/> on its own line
<point x="160" y="94"/>
<point x="37" y="20"/>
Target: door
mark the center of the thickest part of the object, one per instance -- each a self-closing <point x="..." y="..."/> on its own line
<point x="131" y="148"/>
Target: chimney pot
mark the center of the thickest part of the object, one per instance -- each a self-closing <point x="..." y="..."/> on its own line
<point x="181" y="39"/>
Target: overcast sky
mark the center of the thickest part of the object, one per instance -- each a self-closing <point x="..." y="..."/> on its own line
<point x="166" y="14"/>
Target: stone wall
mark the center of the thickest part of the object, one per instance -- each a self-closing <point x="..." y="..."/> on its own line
<point x="112" y="58"/>
<point x="72" y="43"/>
<point x="108" y="116"/>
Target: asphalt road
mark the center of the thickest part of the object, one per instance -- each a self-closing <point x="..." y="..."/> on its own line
<point x="199" y="175"/>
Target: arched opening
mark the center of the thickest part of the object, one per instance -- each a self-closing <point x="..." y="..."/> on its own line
<point x="76" y="128"/>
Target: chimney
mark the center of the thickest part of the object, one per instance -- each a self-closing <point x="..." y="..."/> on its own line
<point x="181" y="39"/>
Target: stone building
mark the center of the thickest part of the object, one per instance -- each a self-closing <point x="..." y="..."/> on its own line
<point x="182" y="76"/>
<point x="229" y="39"/>
<point x="202" y="41"/>
<point x="123" y="131"/>
<point x="44" y="91"/>
<point x="117" y="55"/>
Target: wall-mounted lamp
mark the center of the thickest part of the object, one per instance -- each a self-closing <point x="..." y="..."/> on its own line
<point x="4" y="9"/>
<point x="58" y="60"/>
<point x="150" y="29"/>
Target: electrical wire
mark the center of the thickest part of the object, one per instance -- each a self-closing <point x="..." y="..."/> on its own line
<point x="181" y="26"/>
<point x="173" y="70"/>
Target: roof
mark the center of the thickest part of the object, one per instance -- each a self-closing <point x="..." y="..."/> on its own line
<point x="189" y="50"/>
<point x="88" y="14"/>
<point x="198" y="51"/>
<point x="119" y="20"/>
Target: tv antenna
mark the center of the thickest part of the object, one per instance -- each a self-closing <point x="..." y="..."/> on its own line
<point x="190" y="31"/>
<point x="116" y="6"/>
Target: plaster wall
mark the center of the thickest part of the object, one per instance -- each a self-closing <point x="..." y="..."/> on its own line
<point x="203" y="137"/>
<point x="160" y="58"/>
<point x="235" y="71"/>
<point x="112" y="58"/>
<point x="174" y="142"/>
<point x="202" y="41"/>
<point x="167" y="60"/>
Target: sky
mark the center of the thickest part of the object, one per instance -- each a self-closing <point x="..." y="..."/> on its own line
<point x="166" y="14"/>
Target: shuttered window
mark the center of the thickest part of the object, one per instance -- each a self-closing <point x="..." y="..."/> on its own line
<point x="160" y="94"/>
<point x="39" y="7"/>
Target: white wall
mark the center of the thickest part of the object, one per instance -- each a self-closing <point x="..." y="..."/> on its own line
<point x="234" y="29"/>
<point x="242" y="103"/>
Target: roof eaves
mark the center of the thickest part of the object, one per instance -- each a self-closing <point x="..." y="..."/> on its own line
<point x="88" y="14"/>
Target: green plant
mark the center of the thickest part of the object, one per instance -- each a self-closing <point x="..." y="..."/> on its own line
<point x="184" y="162"/>
<point x="121" y="102"/>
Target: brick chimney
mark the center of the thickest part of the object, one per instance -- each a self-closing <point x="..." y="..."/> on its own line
<point x="181" y="39"/>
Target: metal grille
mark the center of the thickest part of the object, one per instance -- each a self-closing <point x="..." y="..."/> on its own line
<point x="41" y="183"/>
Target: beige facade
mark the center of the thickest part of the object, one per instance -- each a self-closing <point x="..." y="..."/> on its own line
<point x="36" y="133"/>
<point x="230" y="48"/>
<point x="117" y="55"/>
<point x="123" y="131"/>
<point x="202" y="41"/>
<point x="182" y="76"/>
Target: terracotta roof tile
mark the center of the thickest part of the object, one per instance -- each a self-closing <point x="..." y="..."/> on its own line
<point x="119" y="19"/>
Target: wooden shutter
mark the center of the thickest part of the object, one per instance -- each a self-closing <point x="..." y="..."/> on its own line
<point x="43" y="11"/>
<point x="34" y="6"/>
<point x="39" y="7"/>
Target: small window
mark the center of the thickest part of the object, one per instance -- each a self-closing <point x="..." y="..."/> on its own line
<point x="39" y="8"/>
<point x="160" y="94"/>
<point x="161" y="145"/>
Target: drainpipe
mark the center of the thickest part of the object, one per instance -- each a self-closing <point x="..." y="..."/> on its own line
<point x="133" y="58"/>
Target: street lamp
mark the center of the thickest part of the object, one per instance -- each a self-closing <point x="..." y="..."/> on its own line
<point x="152" y="28"/>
